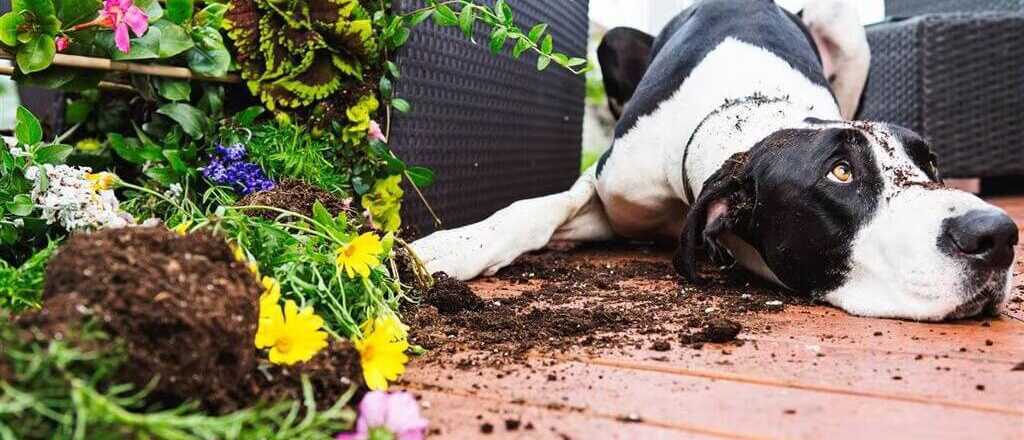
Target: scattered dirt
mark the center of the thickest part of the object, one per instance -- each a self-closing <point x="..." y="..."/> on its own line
<point x="186" y="313"/>
<point x="295" y="196"/>
<point x="589" y="299"/>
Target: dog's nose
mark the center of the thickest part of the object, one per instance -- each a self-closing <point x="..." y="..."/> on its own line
<point x="987" y="236"/>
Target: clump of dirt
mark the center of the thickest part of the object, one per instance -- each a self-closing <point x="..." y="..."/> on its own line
<point x="331" y="373"/>
<point x="589" y="299"/>
<point x="292" y="195"/>
<point x="185" y="311"/>
<point x="451" y="296"/>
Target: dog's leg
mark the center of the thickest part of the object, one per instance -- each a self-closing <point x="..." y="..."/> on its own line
<point x="843" y="45"/>
<point x="526" y="225"/>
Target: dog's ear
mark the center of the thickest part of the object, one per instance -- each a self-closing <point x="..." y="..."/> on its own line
<point x="725" y="204"/>
<point x="624" y="55"/>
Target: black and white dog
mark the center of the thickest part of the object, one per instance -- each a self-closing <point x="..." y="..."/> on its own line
<point x="735" y="136"/>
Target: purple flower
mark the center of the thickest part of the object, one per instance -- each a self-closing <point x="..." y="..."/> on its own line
<point x="388" y="415"/>
<point x="228" y="167"/>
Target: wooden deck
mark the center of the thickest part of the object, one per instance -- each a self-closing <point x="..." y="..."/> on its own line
<point x="818" y="373"/>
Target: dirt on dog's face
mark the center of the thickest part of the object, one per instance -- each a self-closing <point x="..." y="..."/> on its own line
<point x="854" y="213"/>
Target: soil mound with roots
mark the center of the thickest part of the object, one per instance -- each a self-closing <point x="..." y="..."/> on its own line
<point x="292" y="195"/>
<point x="186" y="312"/>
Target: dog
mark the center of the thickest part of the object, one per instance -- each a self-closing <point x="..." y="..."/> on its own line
<point x="735" y="135"/>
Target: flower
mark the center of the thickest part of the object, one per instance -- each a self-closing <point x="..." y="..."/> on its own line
<point x="382" y="351"/>
<point x="88" y="145"/>
<point x="292" y="336"/>
<point x="270" y="297"/>
<point x="62" y="42"/>
<point x="360" y="255"/>
<point x="375" y="133"/>
<point x="76" y="198"/>
<point x="120" y="15"/>
<point x="384" y="203"/>
<point x="182" y="228"/>
<point x="101" y="181"/>
<point x="228" y="167"/>
<point x="388" y="416"/>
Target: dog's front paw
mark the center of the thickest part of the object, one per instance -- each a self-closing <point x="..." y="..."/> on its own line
<point x="461" y="253"/>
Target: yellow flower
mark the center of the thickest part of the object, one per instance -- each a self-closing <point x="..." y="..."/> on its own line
<point x="360" y="255"/>
<point x="101" y="181"/>
<point x="293" y="336"/>
<point x="270" y="297"/>
<point x="182" y="228"/>
<point x="382" y="351"/>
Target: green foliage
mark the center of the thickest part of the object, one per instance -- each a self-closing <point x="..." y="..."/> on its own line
<point x="21" y="287"/>
<point x="306" y="58"/>
<point x="31" y="27"/>
<point x="62" y="389"/>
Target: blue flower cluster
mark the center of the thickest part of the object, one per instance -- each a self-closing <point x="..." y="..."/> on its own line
<point x="228" y="167"/>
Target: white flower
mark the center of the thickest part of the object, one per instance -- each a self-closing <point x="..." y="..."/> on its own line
<point x="174" y="191"/>
<point x="73" y="201"/>
<point x="18" y="152"/>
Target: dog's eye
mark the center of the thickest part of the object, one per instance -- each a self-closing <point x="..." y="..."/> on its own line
<point x="842" y="172"/>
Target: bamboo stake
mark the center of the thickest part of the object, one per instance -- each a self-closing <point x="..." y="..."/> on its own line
<point x="108" y="85"/>
<point x="126" y="67"/>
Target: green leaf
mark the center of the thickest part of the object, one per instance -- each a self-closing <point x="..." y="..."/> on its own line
<point x="27" y="130"/>
<point x="163" y="175"/>
<point x="152" y="9"/>
<point x="142" y="48"/>
<point x="445" y="16"/>
<point x="39" y="8"/>
<point x="499" y="10"/>
<point x="385" y="87"/>
<point x="53" y="154"/>
<point x="72" y="12"/>
<point x="211" y="16"/>
<point x="393" y="69"/>
<point x="21" y="206"/>
<point x="174" y="39"/>
<point x="174" y="158"/>
<point x="209" y="56"/>
<point x="400" y="37"/>
<point x="560" y="58"/>
<point x="77" y="111"/>
<point x="123" y="148"/>
<point x="498" y="39"/>
<point x="522" y="45"/>
<point x="422" y="177"/>
<point x="248" y="116"/>
<point x="173" y="89"/>
<point x="8" y="234"/>
<point x="467" y="17"/>
<point x="212" y="102"/>
<point x="191" y="119"/>
<point x="179" y="11"/>
<point x="401" y="105"/>
<point x="573" y="62"/>
<point x="9" y="23"/>
<point x="547" y="45"/>
<point x="37" y="54"/>
<point x="543" y="62"/>
<point x="420" y="17"/>
<point x="321" y="216"/>
<point x="537" y="31"/>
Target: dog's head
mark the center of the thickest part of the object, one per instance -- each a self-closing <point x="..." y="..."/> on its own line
<point x="854" y="213"/>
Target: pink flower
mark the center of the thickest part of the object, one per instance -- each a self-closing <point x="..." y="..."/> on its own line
<point x="375" y="133"/>
<point x="388" y="415"/>
<point x="62" y="43"/>
<point x="121" y="15"/>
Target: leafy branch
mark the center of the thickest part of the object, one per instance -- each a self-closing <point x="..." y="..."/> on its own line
<point x="500" y="18"/>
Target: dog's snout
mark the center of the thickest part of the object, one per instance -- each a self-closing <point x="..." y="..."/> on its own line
<point x="987" y="236"/>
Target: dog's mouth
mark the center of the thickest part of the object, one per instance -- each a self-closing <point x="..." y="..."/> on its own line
<point x="982" y="304"/>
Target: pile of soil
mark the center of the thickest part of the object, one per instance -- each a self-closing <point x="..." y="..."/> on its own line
<point x="186" y="312"/>
<point x="292" y="195"/>
<point x="589" y="300"/>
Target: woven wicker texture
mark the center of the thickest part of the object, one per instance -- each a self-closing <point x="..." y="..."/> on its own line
<point x="493" y="128"/>
<point x="910" y="8"/>
<point x="958" y="79"/>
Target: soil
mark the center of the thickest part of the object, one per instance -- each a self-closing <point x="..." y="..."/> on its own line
<point x="602" y="303"/>
<point x="186" y="312"/>
<point x="295" y="196"/>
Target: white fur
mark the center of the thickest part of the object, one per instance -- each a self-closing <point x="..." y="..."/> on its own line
<point x="843" y="45"/>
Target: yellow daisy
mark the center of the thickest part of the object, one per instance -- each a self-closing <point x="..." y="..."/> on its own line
<point x="101" y="181"/>
<point x="293" y="336"/>
<point x="182" y="228"/>
<point x="360" y="255"/>
<point x="382" y="351"/>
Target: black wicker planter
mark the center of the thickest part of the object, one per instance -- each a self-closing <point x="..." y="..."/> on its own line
<point x="910" y="8"/>
<point x="493" y="128"/>
<point x="958" y="79"/>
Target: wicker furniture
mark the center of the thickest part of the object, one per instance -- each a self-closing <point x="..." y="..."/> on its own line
<point x="958" y="79"/>
<point x="910" y="8"/>
<point x="493" y="128"/>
